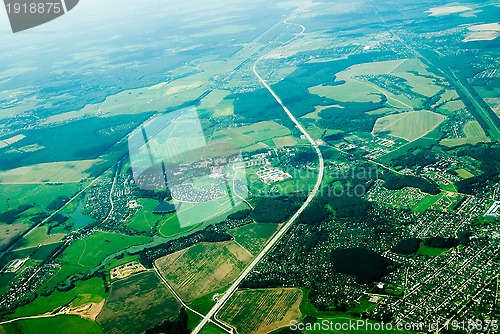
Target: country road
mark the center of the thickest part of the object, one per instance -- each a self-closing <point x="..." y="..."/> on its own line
<point x="232" y="289"/>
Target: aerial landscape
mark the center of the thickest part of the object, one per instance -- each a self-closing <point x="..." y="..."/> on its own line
<point x="317" y="166"/>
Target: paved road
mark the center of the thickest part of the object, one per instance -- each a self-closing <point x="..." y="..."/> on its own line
<point x="288" y="224"/>
<point x="222" y="326"/>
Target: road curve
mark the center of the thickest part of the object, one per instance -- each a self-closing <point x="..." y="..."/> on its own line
<point x="220" y="303"/>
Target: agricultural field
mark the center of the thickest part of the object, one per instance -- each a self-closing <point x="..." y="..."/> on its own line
<point x="41" y="195"/>
<point x="203" y="268"/>
<point x="54" y="172"/>
<point x="39" y="236"/>
<point x="84" y="292"/>
<point x="247" y="136"/>
<point x="10" y="232"/>
<point x="393" y="79"/>
<point x="192" y="215"/>
<point x="136" y="304"/>
<point x="262" y="310"/>
<point x="89" y="252"/>
<point x="62" y="324"/>
<point x="409" y="126"/>
<point x="474" y="134"/>
<point x="253" y="237"/>
<point x="350" y="91"/>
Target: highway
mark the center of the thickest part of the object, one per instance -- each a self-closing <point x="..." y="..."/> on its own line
<point x="232" y="289"/>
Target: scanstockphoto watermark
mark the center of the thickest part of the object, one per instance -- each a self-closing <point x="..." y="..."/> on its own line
<point x="27" y="14"/>
<point x="346" y="326"/>
<point x="353" y="325"/>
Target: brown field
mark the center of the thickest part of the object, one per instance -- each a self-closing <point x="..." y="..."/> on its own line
<point x="126" y="270"/>
<point x="54" y="172"/>
<point x="89" y="311"/>
<point x="9" y="232"/>
<point x="203" y="268"/>
<point x="262" y="310"/>
<point x="137" y="303"/>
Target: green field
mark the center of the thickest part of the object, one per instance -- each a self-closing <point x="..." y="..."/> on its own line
<point x="429" y="251"/>
<point x="464" y="173"/>
<point x="474" y="134"/>
<point x="253" y="237"/>
<point x="350" y="91"/>
<point x="427" y="202"/>
<point x="38" y="237"/>
<point x="145" y="220"/>
<point x="246" y="136"/>
<point x="84" y="292"/>
<point x="410" y="125"/>
<point x="136" y="304"/>
<point x="262" y="310"/>
<point x="89" y="252"/>
<point x="418" y="81"/>
<point x="205" y="303"/>
<point x="42" y="195"/>
<point x="62" y="324"/>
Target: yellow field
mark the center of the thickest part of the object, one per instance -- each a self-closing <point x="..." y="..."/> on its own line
<point x="10" y="232"/>
<point x="410" y="125"/>
<point x="54" y="172"/>
<point x="358" y="89"/>
<point x="203" y="268"/>
<point x="246" y="136"/>
<point x="464" y="173"/>
<point x="262" y="310"/>
<point x="447" y="10"/>
<point x="474" y="134"/>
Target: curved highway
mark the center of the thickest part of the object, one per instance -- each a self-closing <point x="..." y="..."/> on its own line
<point x="220" y="303"/>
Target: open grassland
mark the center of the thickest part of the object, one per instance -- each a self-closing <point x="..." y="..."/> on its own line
<point x="54" y="172"/>
<point x="26" y="194"/>
<point x="403" y="75"/>
<point x="451" y="107"/>
<point x="84" y="292"/>
<point x="89" y="252"/>
<point x="62" y="324"/>
<point x="144" y="219"/>
<point x="262" y="310"/>
<point x="135" y="101"/>
<point x="409" y="126"/>
<point x="253" y="237"/>
<point x="447" y="10"/>
<point x="203" y="268"/>
<point x="39" y="237"/>
<point x="136" y="304"/>
<point x="474" y="134"/>
<point x="427" y="202"/>
<point x="245" y="136"/>
<point x="430" y="251"/>
<point x="464" y="173"/>
<point x="483" y="32"/>
<point x="350" y="91"/>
